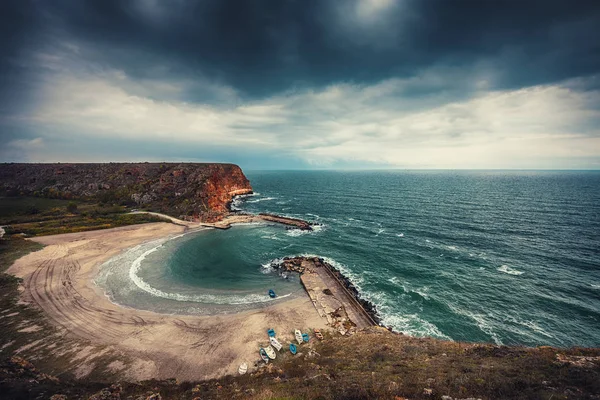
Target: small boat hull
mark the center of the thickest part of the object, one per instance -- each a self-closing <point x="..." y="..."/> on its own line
<point x="270" y="352"/>
<point x="243" y="369"/>
<point x="271" y="333"/>
<point x="293" y="348"/>
<point x="305" y="337"/>
<point x="298" y="336"/>
<point x="272" y="293"/>
<point x="275" y="343"/>
<point x="263" y="355"/>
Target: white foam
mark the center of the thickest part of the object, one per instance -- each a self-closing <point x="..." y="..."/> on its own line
<point x="595" y="286"/>
<point x="480" y="320"/>
<point x="296" y="232"/>
<point x="301" y="232"/>
<point x="395" y="280"/>
<point x="261" y="199"/>
<point x="239" y="199"/>
<point x="400" y="234"/>
<point x="508" y="270"/>
<point x="422" y="292"/>
<point x="380" y="231"/>
<point x="272" y="237"/>
<point x="410" y="324"/>
<point x="535" y="327"/>
<point x="199" y="298"/>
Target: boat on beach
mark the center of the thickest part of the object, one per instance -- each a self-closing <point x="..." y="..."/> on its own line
<point x="243" y="369"/>
<point x="263" y="355"/>
<point x="293" y="348"/>
<point x="272" y="293"/>
<point x="318" y="334"/>
<point x="275" y="343"/>
<point x="298" y="336"/>
<point x="305" y="337"/>
<point x="271" y="332"/>
<point x="270" y="352"/>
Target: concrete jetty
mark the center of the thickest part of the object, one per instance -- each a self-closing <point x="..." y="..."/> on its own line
<point x="331" y="294"/>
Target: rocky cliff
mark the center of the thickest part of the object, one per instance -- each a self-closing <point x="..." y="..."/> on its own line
<point x="186" y="190"/>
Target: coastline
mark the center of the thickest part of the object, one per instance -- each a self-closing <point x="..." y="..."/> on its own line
<point x="100" y="343"/>
<point x="59" y="280"/>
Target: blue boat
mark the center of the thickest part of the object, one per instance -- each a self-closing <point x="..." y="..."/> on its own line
<point x="272" y="293"/>
<point x="293" y="348"/>
<point x="271" y="333"/>
<point x="305" y="337"/>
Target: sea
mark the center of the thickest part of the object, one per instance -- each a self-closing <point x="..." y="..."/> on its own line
<point x="507" y="257"/>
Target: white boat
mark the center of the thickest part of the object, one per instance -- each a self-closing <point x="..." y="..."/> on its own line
<point x="243" y="368"/>
<point x="275" y="343"/>
<point x="298" y="335"/>
<point x="263" y="355"/>
<point x="270" y="352"/>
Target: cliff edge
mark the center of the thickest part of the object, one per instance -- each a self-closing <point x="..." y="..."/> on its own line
<point x="192" y="191"/>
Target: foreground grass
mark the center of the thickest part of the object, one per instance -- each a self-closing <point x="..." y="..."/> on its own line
<point x="13" y="248"/>
<point x="372" y="364"/>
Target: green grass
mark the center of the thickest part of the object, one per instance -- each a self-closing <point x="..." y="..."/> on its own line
<point x="13" y="248"/>
<point x="34" y="216"/>
<point x="11" y="207"/>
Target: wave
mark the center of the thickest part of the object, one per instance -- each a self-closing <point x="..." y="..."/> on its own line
<point x="272" y="237"/>
<point x="261" y="199"/>
<point x="300" y="232"/>
<point x="198" y="298"/>
<point x="240" y="199"/>
<point x="411" y="324"/>
<point x="481" y="321"/>
<point x="508" y="270"/>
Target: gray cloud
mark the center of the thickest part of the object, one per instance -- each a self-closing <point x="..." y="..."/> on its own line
<point x="358" y="82"/>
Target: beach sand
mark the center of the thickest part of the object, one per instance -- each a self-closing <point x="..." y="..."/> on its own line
<point x="59" y="280"/>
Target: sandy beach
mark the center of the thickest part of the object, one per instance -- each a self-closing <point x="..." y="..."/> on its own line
<point x="59" y="280"/>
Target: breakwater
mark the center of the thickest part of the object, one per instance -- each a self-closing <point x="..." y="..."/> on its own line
<point x="333" y="295"/>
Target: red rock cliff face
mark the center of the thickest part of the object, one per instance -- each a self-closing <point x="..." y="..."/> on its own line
<point x="193" y="191"/>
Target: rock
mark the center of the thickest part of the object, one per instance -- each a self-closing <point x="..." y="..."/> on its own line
<point x="427" y="391"/>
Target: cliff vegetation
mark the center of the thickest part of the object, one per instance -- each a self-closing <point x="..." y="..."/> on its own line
<point x="200" y="192"/>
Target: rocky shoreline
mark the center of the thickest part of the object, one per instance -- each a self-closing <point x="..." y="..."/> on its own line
<point x="303" y="265"/>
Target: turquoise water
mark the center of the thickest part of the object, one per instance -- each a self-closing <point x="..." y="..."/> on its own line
<point x="510" y="257"/>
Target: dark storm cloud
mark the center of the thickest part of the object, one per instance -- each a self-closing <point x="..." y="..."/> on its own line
<point x="425" y="83"/>
<point x="264" y="47"/>
<point x="18" y="30"/>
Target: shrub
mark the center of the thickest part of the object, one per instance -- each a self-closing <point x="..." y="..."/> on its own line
<point x="72" y="207"/>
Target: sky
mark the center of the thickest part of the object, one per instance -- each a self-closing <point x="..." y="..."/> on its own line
<point x="303" y="84"/>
